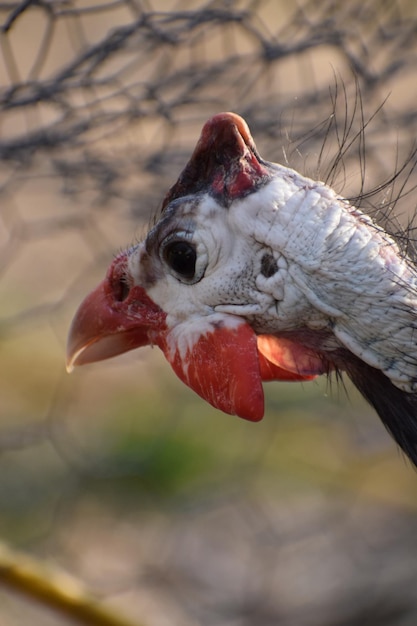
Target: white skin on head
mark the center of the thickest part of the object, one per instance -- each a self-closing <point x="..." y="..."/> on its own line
<point x="335" y="270"/>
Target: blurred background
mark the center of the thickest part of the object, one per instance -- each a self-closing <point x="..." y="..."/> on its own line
<point x="171" y="512"/>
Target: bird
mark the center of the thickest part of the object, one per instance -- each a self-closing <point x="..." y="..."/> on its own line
<point x="253" y="272"/>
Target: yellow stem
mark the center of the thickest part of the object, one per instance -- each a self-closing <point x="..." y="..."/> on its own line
<point x="55" y="589"/>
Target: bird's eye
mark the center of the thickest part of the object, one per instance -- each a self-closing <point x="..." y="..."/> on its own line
<point x="185" y="258"/>
<point x="181" y="257"/>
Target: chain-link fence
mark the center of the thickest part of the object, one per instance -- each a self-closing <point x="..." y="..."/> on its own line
<point x="171" y="512"/>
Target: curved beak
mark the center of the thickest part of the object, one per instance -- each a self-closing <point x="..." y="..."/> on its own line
<point x="113" y="319"/>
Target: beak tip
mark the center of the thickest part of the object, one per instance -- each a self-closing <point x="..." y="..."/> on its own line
<point x="73" y="358"/>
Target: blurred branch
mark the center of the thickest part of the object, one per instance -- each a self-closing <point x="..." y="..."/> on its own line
<point x="55" y="589"/>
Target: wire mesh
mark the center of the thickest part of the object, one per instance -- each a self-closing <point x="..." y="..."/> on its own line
<point x="170" y="512"/>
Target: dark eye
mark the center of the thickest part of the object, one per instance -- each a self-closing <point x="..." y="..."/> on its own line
<point x="181" y="257"/>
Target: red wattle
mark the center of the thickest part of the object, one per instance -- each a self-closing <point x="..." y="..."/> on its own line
<point x="222" y="367"/>
<point x="227" y="363"/>
<point x="290" y="357"/>
<point x="270" y="371"/>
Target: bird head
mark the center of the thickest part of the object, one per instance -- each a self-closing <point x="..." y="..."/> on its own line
<point x="193" y="287"/>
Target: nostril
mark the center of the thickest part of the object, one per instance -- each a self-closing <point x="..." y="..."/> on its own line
<point x="121" y="290"/>
<point x="118" y="279"/>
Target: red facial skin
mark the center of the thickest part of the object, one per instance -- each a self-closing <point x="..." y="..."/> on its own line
<point x="107" y="323"/>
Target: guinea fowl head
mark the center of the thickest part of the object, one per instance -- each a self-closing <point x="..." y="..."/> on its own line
<point x="189" y="285"/>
